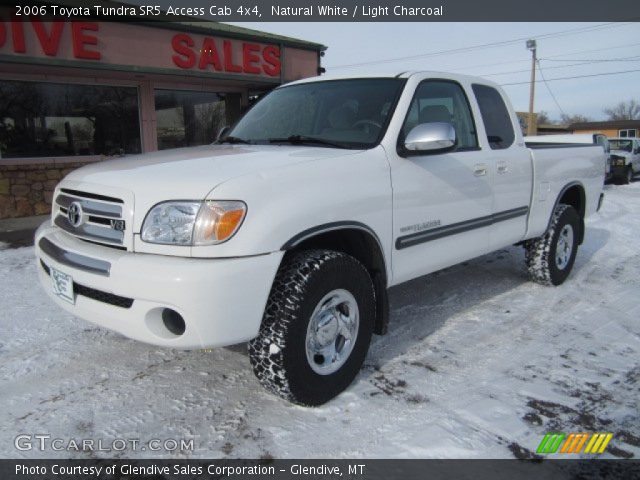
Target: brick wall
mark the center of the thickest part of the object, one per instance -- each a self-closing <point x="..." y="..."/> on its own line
<point x="28" y="189"/>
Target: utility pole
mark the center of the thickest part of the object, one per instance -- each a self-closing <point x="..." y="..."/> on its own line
<point x="531" y="124"/>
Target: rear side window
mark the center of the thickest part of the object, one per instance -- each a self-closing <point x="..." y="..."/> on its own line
<point x="495" y="116"/>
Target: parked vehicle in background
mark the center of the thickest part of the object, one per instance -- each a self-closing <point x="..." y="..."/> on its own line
<point x="288" y="232"/>
<point x="578" y="138"/>
<point x="625" y="158"/>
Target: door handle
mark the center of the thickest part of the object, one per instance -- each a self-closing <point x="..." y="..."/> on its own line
<point x="480" y="169"/>
<point x="502" y="167"/>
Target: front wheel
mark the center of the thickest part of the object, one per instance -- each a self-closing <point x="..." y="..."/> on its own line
<point x="550" y="257"/>
<point x="316" y="328"/>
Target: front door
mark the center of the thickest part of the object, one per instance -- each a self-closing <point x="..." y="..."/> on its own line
<point x="442" y="201"/>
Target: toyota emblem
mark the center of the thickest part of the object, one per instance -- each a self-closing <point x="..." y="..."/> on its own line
<point x="74" y="214"/>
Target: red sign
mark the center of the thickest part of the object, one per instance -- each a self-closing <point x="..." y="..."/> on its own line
<point x="255" y="59"/>
<point x="117" y="43"/>
<point x="48" y="37"/>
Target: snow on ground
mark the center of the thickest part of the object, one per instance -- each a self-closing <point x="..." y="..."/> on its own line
<point x="478" y="363"/>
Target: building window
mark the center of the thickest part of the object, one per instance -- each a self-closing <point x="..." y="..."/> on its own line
<point x="187" y="118"/>
<point x="61" y="120"/>
<point x="632" y="132"/>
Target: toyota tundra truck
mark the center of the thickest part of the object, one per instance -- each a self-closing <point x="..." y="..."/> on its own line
<point x="287" y="232"/>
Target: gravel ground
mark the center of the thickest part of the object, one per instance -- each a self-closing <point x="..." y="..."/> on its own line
<point x="478" y="363"/>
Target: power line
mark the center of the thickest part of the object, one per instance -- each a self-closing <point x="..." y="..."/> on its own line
<point x="487" y="45"/>
<point x="549" y="88"/>
<point x="577" y="76"/>
<point x="595" y="49"/>
<point x="596" y="60"/>
<point x="550" y="56"/>
<point x="587" y="62"/>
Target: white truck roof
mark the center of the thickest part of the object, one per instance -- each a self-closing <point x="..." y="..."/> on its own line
<point x="402" y="74"/>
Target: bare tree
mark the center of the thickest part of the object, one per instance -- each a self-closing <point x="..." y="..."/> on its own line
<point x="542" y="118"/>
<point x="577" y="118"/>
<point x="629" y="110"/>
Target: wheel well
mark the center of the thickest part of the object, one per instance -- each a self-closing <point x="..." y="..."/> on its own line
<point x="574" y="195"/>
<point x="365" y="248"/>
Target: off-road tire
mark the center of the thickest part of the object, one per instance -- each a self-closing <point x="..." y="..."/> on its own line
<point x="540" y="252"/>
<point x="278" y="354"/>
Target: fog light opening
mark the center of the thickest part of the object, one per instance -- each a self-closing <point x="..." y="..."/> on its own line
<point x="173" y="321"/>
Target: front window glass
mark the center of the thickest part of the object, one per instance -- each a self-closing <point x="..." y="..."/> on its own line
<point x="624" y="145"/>
<point x="59" y="120"/>
<point x="442" y="101"/>
<point x="342" y="113"/>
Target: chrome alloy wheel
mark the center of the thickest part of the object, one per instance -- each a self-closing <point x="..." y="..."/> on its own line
<point x="332" y="332"/>
<point x="564" y="247"/>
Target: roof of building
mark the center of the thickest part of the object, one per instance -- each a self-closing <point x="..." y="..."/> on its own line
<point x="203" y="26"/>
<point x="551" y="126"/>
<point x="605" y="124"/>
<point x="232" y="31"/>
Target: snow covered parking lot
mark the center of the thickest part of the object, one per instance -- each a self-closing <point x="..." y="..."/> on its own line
<point x="479" y="362"/>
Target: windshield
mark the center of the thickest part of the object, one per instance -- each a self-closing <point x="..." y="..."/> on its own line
<point x="624" y="145"/>
<point x="333" y="113"/>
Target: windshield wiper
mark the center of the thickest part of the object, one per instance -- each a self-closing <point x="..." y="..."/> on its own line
<point x="231" y="139"/>
<point x="300" y="139"/>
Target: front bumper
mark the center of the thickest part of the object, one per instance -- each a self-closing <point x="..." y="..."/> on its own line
<point x="221" y="300"/>
<point x="619" y="171"/>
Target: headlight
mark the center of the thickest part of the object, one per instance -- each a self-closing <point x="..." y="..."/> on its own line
<point x="193" y="223"/>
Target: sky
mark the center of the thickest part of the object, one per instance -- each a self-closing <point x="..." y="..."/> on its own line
<point x="564" y="49"/>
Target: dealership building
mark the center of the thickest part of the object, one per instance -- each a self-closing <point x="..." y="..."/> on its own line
<point x="85" y="91"/>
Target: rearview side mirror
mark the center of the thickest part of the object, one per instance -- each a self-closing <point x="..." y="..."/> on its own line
<point x="431" y="137"/>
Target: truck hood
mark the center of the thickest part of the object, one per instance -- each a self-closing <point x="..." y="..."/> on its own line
<point x="142" y="181"/>
<point x="192" y="172"/>
<point x="620" y="153"/>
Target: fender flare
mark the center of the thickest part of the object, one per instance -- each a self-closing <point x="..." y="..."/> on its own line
<point x="329" y="227"/>
<point x="581" y="214"/>
<point x="379" y="278"/>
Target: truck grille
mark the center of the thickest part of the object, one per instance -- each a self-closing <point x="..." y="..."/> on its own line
<point x="91" y="217"/>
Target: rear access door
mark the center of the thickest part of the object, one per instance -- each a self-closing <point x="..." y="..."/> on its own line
<point x="513" y="175"/>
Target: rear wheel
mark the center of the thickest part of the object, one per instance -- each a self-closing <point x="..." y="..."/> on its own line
<point x="317" y="327"/>
<point x="550" y="257"/>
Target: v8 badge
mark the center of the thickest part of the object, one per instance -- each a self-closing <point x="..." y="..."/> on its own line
<point x="118" y="225"/>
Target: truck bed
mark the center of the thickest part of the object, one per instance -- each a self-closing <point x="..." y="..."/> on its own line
<point x="553" y="163"/>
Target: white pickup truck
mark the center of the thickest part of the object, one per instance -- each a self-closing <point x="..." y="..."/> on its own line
<point x="288" y="231"/>
<point x="625" y="158"/>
